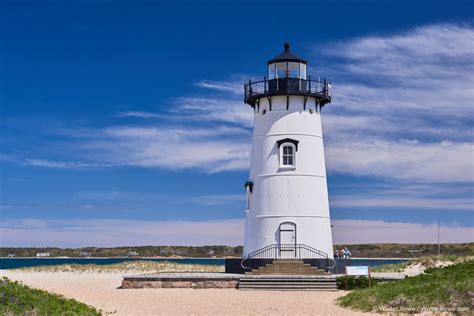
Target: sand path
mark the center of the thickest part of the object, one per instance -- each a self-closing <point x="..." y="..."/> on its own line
<point x="101" y="291"/>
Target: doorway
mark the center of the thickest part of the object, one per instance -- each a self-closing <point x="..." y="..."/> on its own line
<point x="287" y="240"/>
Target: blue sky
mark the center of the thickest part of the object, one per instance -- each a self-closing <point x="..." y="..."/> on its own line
<point x="123" y="122"/>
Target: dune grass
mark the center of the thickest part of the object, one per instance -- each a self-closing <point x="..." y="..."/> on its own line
<point x="127" y="267"/>
<point x="438" y="289"/>
<point x="423" y="262"/>
<point x="18" y="299"/>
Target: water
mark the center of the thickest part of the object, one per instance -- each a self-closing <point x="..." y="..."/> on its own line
<point x="375" y="262"/>
<point x="14" y="263"/>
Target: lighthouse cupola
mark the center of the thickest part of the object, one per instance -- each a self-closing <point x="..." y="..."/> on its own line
<point x="287" y="213"/>
<point x="287" y="75"/>
<point x="287" y="65"/>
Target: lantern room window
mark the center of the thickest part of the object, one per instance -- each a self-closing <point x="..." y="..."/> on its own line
<point x="286" y="69"/>
<point x="287" y="65"/>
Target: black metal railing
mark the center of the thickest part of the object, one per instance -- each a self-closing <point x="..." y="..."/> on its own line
<point x="289" y="252"/>
<point x="261" y="87"/>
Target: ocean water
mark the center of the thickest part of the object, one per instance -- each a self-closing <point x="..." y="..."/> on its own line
<point x="14" y="263"/>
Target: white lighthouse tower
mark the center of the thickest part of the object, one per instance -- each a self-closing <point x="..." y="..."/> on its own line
<point x="287" y="212"/>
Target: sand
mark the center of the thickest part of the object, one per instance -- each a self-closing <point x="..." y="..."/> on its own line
<point x="101" y="291"/>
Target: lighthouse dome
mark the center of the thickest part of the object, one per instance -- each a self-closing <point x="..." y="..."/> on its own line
<point x="287" y="65"/>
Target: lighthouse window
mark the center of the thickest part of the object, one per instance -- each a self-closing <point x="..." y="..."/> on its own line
<point x="287" y="155"/>
<point x="271" y="71"/>
<point x="302" y="71"/>
<point x="293" y="70"/>
<point x="281" y="70"/>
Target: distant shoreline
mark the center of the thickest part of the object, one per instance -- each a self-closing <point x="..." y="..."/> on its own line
<point x="193" y="258"/>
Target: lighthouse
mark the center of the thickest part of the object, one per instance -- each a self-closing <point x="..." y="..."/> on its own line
<point x="287" y="213"/>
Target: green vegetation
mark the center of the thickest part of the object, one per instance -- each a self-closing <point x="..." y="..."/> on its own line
<point x="423" y="262"/>
<point x="143" y="251"/>
<point x="219" y="251"/>
<point x="396" y="267"/>
<point x="407" y="250"/>
<point x="439" y="289"/>
<point x="18" y="299"/>
<point x="353" y="282"/>
<point x="130" y="266"/>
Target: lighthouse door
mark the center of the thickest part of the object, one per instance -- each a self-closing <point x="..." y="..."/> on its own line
<point x="287" y="240"/>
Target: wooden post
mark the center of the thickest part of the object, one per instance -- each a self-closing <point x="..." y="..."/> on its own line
<point x="347" y="287"/>
<point x="369" y="277"/>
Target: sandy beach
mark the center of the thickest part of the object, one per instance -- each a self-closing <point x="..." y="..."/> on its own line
<point x="101" y="290"/>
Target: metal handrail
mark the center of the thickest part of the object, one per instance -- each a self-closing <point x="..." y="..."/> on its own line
<point x="261" y="85"/>
<point x="289" y="252"/>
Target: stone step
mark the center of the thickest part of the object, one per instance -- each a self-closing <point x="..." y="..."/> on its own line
<point x="288" y="272"/>
<point x="300" y="280"/>
<point x="287" y="267"/>
<point x="287" y="286"/>
<point x="329" y="285"/>
<point x="285" y="289"/>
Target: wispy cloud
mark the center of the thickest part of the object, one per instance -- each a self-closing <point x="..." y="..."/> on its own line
<point x="140" y="114"/>
<point x="402" y="111"/>
<point x="235" y="87"/>
<point x="219" y="199"/>
<point x="366" y="231"/>
<point x="426" y="162"/>
<point x="403" y="105"/>
<point x="427" y="196"/>
<point x="63" y="164"/>
<point x="110" y="232"/>
<point x="209" y="149"/>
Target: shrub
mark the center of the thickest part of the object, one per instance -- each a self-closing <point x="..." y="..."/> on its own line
<point x="353" y="282"/>
<point x="449" y="288"/>
<point x="18" y="299"/>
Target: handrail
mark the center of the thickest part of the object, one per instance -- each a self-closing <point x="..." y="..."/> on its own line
<point x="260" y="87"/>
<point x="288" y="252"/>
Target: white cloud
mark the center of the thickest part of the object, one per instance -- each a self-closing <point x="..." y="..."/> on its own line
<point x="140" y="114"/>
<point x="366" y="231"/>
<point x="412" y="86"/>
<point x="63" y="164"/>
<point x="427" y="196"/>
<point x="402" y="110"/>
<point x="235" y="87"/>
<point x="109" y="232"/>
<point x="214" y="110"/>
<point x="218" y="199"/>
<point x="426" y="162"/>
<point x="209" y="149"/>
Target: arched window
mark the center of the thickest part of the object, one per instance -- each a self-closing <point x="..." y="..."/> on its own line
<point x="288" y="148"/>
<point x="287" y="155"/>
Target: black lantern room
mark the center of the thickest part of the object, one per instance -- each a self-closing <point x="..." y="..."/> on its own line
<point x="287" y="75"/>
<point x="286" y="65"/>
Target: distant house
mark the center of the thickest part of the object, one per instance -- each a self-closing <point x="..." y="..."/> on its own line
<point x="11" y="255"/>
<point x="132" y="254"/>
<point x="85" y="254"/>
<point x="42" y="254"/>
<point x="211" y="252"/>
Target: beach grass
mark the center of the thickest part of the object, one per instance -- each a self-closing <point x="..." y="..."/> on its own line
<point x="440" y="289"/>
<point x="422" y="263"/>
<point x="18" y="299"/>
<point x="127" y="267"/>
